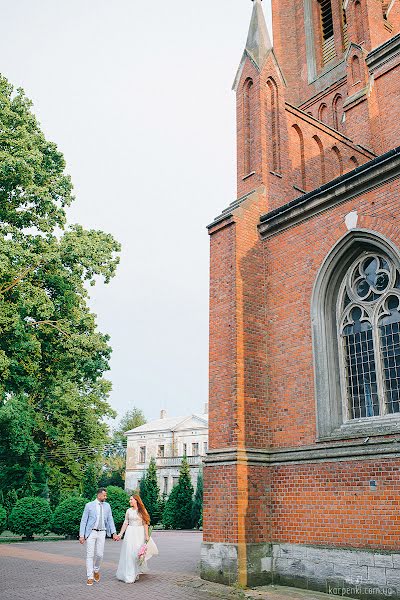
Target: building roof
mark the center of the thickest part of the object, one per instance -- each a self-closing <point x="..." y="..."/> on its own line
<point x="170" y="423"/>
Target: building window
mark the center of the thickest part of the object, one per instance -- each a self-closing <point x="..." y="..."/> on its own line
<point x="369" y="317"/>
<point x="142" y="454"/>
<point x="328" y="41"/>
<point x="248" y="126"/>
<point x="184" y="449"/>
<point x="205" y="447"/>
<point x="195" y="449"/>
<point x="356" y="334"/>
<point x="165" y="491"/>
<point x="161" y="451"/>
<point x="175" y="481"/>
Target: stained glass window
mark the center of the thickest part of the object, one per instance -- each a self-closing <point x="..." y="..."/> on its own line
<point x="369" y="325"/>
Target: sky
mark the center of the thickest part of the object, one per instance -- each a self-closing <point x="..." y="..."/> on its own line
<point x="137" y="95"/>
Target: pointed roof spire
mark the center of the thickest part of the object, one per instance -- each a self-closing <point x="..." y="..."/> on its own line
<point x="258" y="42"/>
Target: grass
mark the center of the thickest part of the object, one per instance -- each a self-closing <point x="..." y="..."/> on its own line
<point x="7" y="537"/>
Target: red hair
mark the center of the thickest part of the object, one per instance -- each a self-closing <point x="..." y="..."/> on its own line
<point x="142" y="509"/>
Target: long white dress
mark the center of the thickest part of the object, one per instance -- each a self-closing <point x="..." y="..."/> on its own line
<point x="128" y="566"/>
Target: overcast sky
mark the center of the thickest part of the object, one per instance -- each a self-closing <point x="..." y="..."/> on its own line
<point x="137" y="95"/>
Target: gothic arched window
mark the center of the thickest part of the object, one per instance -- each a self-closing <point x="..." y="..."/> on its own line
<point x="356" y="338"/>
<point x="247" y="126"/>
<point x="368" y="320"/>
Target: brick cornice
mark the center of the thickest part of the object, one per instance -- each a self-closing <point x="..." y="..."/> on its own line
<point x="383" y="53"/>
<point x="373" y="174"/>
<point x="366" y="450"/>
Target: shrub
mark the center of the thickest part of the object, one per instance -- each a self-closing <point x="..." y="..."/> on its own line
<point x="119" y="502"/>
<point x="169" y="514"/>
<point x="67" y="516"/>
<point x="197" y="511"/>
<point x="150" y="493"/>
<point x="178" y="510"/>
<point x="3" y="519"/>
<point x="184" y="498"/>
<point x="30" y="515"/>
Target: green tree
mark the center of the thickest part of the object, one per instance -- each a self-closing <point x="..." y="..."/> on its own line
<point x="10" y="500"/>
<point x="119" y="502"/>
<point x="197" y="510"/>
<point x="178" y="510"/>
<point x="184" y="497"/>
<point x="130" y="420"/>
<point x="3" y="519"/>
<point x="114" y="463"/>
<point x="90" y="482"/>
<point x="150" y="492"/>
<point x="67" y="516"/>
<point x="29" y="516"/>
<point x="52" y="356"/>
<point x="170" y="511"/>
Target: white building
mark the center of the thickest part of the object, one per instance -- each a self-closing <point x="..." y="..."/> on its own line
<point x="167" y="439"/>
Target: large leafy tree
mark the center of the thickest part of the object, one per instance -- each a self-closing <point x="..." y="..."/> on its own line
<point x="53" y="397"/>
<point x="115" y="452"/>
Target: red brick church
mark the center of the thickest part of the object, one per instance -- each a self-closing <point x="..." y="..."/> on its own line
<point x="302" y="477"/>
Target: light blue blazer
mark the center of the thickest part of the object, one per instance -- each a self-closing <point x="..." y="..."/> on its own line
<point x="89" y="519"/>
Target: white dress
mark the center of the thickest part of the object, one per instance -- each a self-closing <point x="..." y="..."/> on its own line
<point x="128" y="566"/>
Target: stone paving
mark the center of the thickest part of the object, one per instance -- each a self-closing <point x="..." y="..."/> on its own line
<point x="55" y="570"/>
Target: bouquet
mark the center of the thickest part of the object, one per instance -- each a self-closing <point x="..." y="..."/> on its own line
<point x="143" y="549"/>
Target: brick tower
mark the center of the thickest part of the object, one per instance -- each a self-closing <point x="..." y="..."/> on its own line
<point x="302" y="481"/>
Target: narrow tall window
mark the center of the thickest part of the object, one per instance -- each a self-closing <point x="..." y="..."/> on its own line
<point x="328" y="41"/>
<point x="358" y="22"/>
<point x="273" y="120"/>
<point x="142" y="454"/>
<point x="338" y="167"/>
<point x="337" y="112"/>
<point x="247" y="125"/>
<point x="161" y="451"/>
<point x="195" y="449"/>
<point x="300" y="153"/>
<point x="369" y="337"/>
<point x="323" y="113"/>
<point x="321" y="159"/>
<point x="355" y="70"/>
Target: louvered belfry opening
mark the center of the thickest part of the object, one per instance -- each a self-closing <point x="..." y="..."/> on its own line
<point x="328" y="42"/>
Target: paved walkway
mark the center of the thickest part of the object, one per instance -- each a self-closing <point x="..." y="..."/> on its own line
<point x="56" y="570"/>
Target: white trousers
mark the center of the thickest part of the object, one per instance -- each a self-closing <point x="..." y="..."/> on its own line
<point x="94" y="552"/>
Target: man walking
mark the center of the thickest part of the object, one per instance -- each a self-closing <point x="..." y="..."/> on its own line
<point x="97" y="520"/>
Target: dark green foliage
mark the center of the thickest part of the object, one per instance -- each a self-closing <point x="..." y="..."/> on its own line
<point x="119" y="502"/>
<point x="197" y="510"/>
<point x="150" y="493"/>
<point x="53" y="399"/>
<point x="178" y="510"/>
<point x="162" y="504"/>
<point x="110" y="477"/>
<point x="10" y="500"/>
<point x="67" y="516"/>
<point x="29" y="516"/>
<point x="170" y="510"/>
<point x="142" y="488"/>
<point x="115" y="454"/>
<point x="90" y="482"/>
<point x="3" y="519"/>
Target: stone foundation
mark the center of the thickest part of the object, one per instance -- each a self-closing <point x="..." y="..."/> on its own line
<point x="356" y="573"/>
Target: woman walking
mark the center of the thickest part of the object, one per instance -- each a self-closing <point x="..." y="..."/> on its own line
<point x="136" y="530"/>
